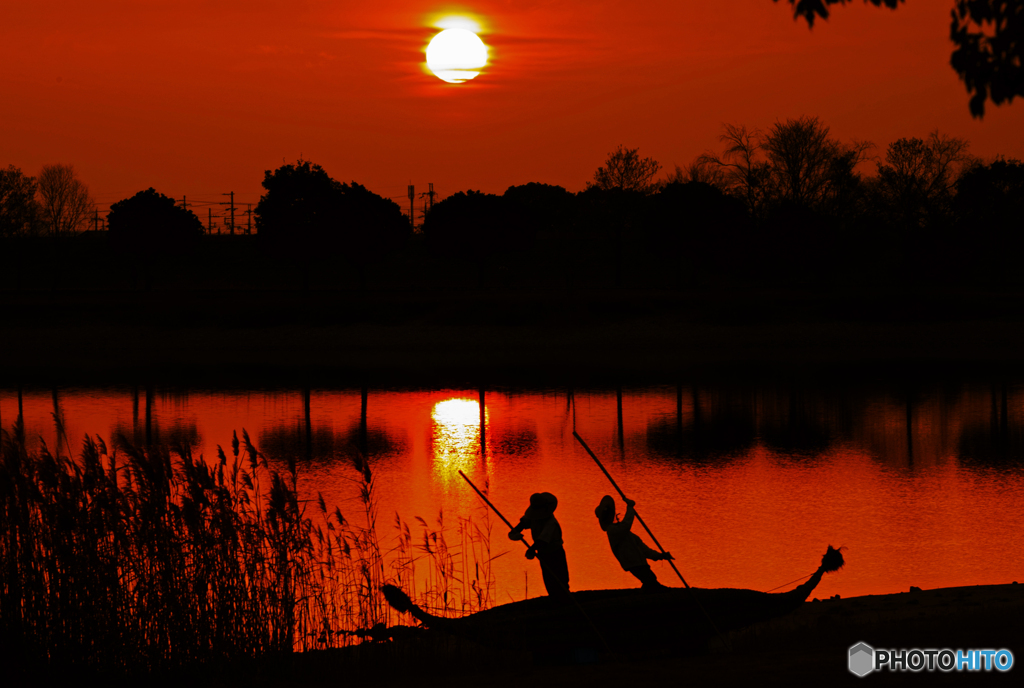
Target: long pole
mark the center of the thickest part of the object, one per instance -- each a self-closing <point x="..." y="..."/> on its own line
<point x="576" y="602"/>
<point x="623" y="495"/>
<point x="493" y="508"/>
<point x="657" y="544"/>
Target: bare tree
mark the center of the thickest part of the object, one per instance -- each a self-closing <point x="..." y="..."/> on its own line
<point x="796" y="161"/>
<point x="744" y="174"/>
<point x="918" y="178"/>
<point x="700" y="170"/>
<point x="19" y="211"/>
<point x="626" y="170"/>
<point x="64" y="198"/>
<point x="809" y="167"/>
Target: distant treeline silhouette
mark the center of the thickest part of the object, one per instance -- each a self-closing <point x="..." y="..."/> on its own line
<point x="787" y="206"/>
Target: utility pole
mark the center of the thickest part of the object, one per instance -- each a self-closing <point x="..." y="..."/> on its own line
<point x="96" y="220"/>
<point x="232" y="209"/>
<point x="248" y="227"/>
<point x="412" y="206"/>
<point x="428" y="202"/>
<point x="209" y="220"/>
<point x="184" y="202"/>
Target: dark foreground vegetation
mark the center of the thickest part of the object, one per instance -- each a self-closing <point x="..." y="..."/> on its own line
<point x="126" y="561"/>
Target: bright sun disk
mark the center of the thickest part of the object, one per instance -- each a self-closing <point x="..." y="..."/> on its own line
<point x="456" y="55"/>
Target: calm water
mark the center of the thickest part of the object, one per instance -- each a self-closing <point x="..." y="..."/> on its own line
<point x="744" y="485"/>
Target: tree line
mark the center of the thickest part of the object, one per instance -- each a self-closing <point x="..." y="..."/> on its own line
<point x="791" y="204"/>
<point x="56" y="202"/>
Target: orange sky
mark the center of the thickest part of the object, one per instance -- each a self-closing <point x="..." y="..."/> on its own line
<point x="199" y="97"/>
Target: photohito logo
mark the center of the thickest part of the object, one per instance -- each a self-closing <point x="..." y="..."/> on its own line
<point x="864" y="659"/>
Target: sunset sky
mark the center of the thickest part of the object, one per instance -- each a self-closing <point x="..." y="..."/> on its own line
<point x="199" y="97"/>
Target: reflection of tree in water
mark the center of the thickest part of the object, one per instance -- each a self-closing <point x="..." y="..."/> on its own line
<point x="300" y="440"/>
<point x="997" y="442"/>
<point x="718" y="425"/>
<point x="792" y="424"/>
<point x="321" y="443"/>
<point x="518" y="442"/>
<point x="177" y="434"/>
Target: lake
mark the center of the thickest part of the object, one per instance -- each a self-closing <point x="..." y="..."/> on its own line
<point x="745" y="483"/>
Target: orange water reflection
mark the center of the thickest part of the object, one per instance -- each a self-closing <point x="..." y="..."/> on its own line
<point x="458" y="436"/>
<point x="746" y="486"/>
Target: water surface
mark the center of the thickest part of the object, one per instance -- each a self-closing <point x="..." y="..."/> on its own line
<point x="745" y="485"/>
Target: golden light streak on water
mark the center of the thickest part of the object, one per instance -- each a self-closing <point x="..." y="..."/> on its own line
<point x="455" y="438"/>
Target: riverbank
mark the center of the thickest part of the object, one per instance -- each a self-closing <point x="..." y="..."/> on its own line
<point x="218" y="337"/>
<point x="808" y="646"/>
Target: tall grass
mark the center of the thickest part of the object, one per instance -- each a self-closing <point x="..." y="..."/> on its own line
<point x="134" y="559"/>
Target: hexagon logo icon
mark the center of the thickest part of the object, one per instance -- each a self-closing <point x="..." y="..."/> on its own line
<point x="862" y="659"/>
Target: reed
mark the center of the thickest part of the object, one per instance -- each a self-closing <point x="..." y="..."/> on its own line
<point x="139" y="560"/>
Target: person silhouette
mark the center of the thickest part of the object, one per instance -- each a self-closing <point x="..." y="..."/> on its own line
<point x="628" y="548"/>
<point x="547" y="543"/>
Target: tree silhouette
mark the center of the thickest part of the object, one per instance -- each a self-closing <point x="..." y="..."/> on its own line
<point x="625" y="170"/>
<point x="372" y="227"/>
<point x="299" y="211"/>
<point x="19" y="211"/>
<point x="809" y="167"/>
<point x="989" y="211"/>
<point x="809" y="9"/>
<point x="796" y="162"/>
<point x="995" y="190"/>
<point x="537" y="208"/>
<point x="700" y="170"/>
<point x="989" y="39"/>
<point x="64" y="199"/>
<point x="606" y="222"/>
<point x="918" y="178"/>
<point x="306" y="217"/>
<point x="989" y="58"/>
<point x="697" y="226"/>
<point x="149" y="227"/>
<point x="474" y="226"/>
<point x="797" y="244"/>
<point x="544" y="214"/>
<point x="743" y="171"/>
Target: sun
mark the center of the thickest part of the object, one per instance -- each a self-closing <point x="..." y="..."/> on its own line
<point x="456" y="55"/>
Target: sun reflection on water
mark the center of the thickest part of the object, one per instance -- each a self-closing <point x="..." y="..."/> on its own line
<point x="455" y="437"/>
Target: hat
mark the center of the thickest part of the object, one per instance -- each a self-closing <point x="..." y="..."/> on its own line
<point x="606" y="509"/>
<point x="542" y="505"/>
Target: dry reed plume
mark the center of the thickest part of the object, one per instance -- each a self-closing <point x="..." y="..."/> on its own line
<point x="134" y="560"/>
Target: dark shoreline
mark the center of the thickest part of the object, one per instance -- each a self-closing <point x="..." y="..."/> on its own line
<point x="807" y="646"/>
<point x="503" y="338"/>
